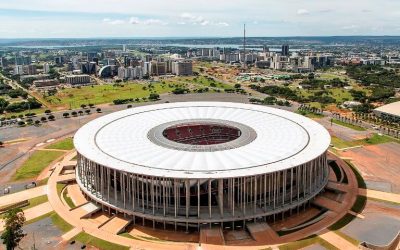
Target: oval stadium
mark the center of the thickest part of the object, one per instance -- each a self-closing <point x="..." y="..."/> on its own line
<point x="194" y="164"/>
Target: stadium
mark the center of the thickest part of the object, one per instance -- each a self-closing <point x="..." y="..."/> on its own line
<point x="197" y="164"/>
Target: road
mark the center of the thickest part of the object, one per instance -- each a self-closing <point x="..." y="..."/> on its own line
<point x="13" y="155"/>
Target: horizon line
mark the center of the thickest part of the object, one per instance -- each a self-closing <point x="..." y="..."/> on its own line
<point x="195" y="37"/>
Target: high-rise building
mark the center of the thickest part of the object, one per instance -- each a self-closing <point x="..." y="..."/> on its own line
<point x="30" y="69"/>
<point x="46" y="68"/>
<point x="124" y="47"/>
<point x="77" y="79"/>
<point x="285" y="50"/>
<point x="91" y="56"/>
<point x="18" y="70"/>
<point x="88" y="68"/>
<point x="59" y="60"/>
<point x="182" y="68"/>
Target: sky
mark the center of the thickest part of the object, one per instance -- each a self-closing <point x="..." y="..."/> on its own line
<point x="201" y="18"/>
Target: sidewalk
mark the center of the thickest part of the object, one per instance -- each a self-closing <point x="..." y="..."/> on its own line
<point x="23" y="195"/>
<point x="392" y="197"/>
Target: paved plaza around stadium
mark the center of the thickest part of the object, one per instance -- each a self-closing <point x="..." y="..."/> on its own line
<point x="316" y="220"/>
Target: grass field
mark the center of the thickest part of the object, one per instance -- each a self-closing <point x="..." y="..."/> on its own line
<point x="309" y="114"/>
<point x="351" y="126"/>
<point x="38" y="161"/>
<point x="99" y="94"/>
<point x="36" y="111"/>
<point x="68" y="199"/>
<point x="96" y="242"/>
<point x="36" y="201"/>
<point x="373" y="140"/>
<point x="66" y="144"/>
<point x="60" y="223"/>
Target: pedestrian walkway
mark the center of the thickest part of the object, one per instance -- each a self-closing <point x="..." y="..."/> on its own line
<point x="93" y="229"/>
<point x="392" y="197"/>
<point x="71" y="233"/>
<point x="337" y="241"/>
<point x="23" y="195"/>
<point x="116" y="225"/>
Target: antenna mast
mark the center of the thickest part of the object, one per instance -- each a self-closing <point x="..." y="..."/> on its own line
<point x="244" y="46"/>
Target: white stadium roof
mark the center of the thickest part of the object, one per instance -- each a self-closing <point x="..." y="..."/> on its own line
<point x="121" y="141"/>
<point x="391" y="109"/>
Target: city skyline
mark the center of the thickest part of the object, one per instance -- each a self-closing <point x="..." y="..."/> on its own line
<point x="123" y="18"/>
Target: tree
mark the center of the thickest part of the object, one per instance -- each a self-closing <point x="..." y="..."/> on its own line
<point x="129" y="106"/>
<point x="1" y="144"/>
<point x="87" y="111"/>
<point x="51" y="117"/>
<point x="3" y="105"/>
<point x="80" y="112"/>
<point x="74" y="113"/>
<point x="14" y="220"/>
<point x="37" y="122"/>
<point x="237" y="86"/>
<point x="83" y="106"/>
<point x="154" y="97"/>
<point x="47" y="111"/>
<point x="98" y="110"/>
<point x="91" y="105"/>
<point x="43" y="119"/>
<point x="66" y="115"/>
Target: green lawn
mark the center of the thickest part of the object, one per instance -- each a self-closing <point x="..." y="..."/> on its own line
<point x="66" y="144"/>
<point x="99" y="94"/>
<point x="344" y="124"/>
<point x="38" y="161"/>
<point x="39" y="218"/>
<point x="60" y="223"/>
<point x="68" y="199"/>
<point x="205" y="82"/>
<point x="36" y="201"/>
<point x="36" y="111"/>
<point x="307" y="242"/>
<point x="96" y="242"/>
<point x="373" y="140"/>
<point x="60" y="187"/>
<point x="309" y="114"/>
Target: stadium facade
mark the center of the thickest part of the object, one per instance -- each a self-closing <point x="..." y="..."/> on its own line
<point x="195" y="163"/>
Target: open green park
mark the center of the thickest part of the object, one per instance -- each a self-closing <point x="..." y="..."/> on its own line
<point x="370" y="140"/>
<point x="65" y="144"/>
<point x="35" y="164"/>
<point x="70" y="98"/>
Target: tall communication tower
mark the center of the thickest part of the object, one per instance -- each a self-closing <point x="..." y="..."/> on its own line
<point x="244" y="46"/>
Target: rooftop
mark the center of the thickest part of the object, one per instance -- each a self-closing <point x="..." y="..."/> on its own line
<point x="270" y="140"/>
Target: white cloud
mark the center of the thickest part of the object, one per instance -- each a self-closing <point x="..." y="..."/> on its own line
<point x="302" y="12"/>
<point x="274" y="17"/>
<point x="113" y="22"/>
<point x="350" y="27"/>
<point x="151" y="21"/>
<point x="199" y="20"/>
